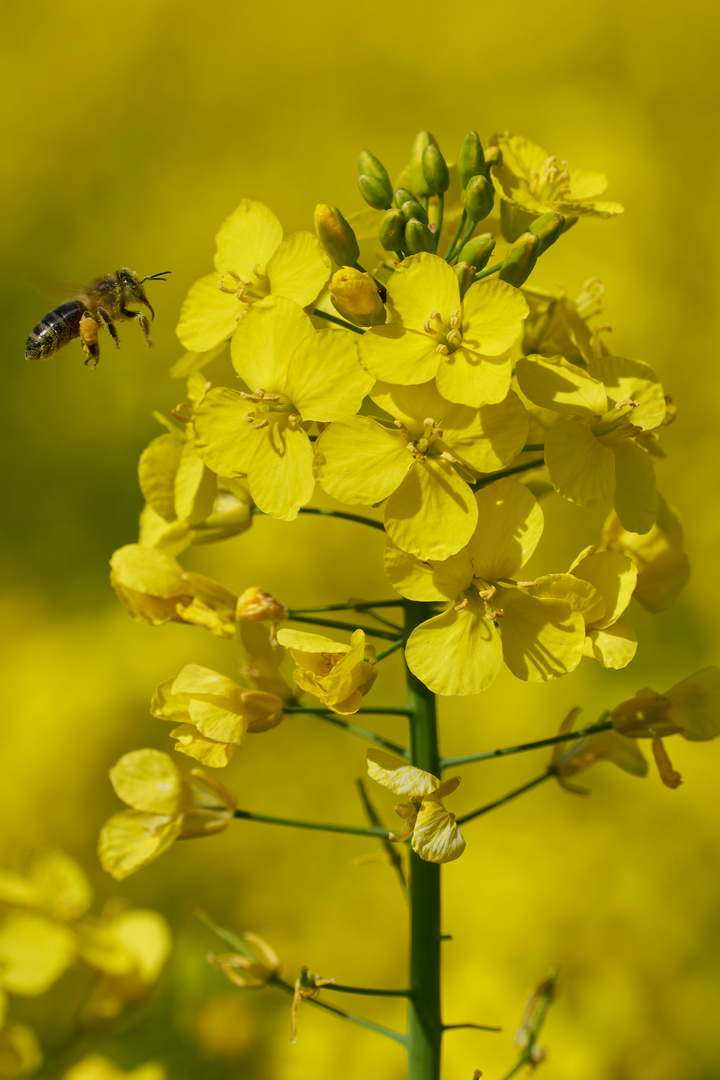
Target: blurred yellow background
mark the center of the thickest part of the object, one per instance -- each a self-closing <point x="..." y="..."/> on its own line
<point x="129" y="134"/>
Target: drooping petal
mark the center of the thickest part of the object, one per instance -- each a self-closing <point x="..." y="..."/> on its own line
<point x="510" y="524"/>
<point x="695" y="705"/>
<point x="542" y="638"/>
<point x="280" y="475"/>
<point x="493" y="313"/>
<point x="157" y="468"/>
<point x="324" y="378"/>
<point x="565" y="388"/>
<point x="248" y="236"/>
<point x="196" y="680"/>
<point x="433" y="512"/>
<point x="436" y="836"/>
<point x="581" y="468"/>
<point x="358" y="461"/>
<point x="207" y="751"/>
<point x="394" y="773"/>
<point x="298" y="269"/>
<point x="208" y="315"/>
<point x="456" y="652"/>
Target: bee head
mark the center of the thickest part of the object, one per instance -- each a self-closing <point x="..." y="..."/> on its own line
<point x="132" y="286"/>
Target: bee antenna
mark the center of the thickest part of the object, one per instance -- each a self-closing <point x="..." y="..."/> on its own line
<point x="156" y="277"/>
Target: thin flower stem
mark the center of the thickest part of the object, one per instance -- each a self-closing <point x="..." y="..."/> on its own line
<point x="390" y="650"/>
<point x="385" y="622"/>
<point x="491" y="270"/>
<point x="506" y="798"/>
<point x="492" y="477"/>
<point x="340" y="322"/>
<point x="516" y="1069"/>
<point x="337" y="514"/>
<point x="368" y="991"/>
<point x="360" y="605"/>
<point x="353" y="729"/>
<point x="486" y="755"/>
<point x="391" y="849"/>
<point x="337" y="625"/>
<point x="322" y="826"/>
<point x="450" y="253"/>
<point x="441" y="211"/>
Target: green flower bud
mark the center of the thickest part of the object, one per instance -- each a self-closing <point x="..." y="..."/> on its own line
<point x="417" y="175"/>
<point x="375" y="192"/>
<point x="418" y="237"/>
<point x="335" y="235"/>
<point x="520" y="260"/>
<point x="435" y="170"/>
<point x="392" y="230"/>
<point x="493" y="156"/>
<point x="547" y="228"/>
<point x="466" y="276"/>
<point x="478" y="251"/>
<point x="471" y="160"/>
<point x="413" y="209"/>
<point x="403" y="195"/>
<point x="368" y="165"/>
<point x="478" y="198"/>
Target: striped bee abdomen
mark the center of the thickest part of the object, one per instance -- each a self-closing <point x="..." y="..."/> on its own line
<point x="54" y="331"/>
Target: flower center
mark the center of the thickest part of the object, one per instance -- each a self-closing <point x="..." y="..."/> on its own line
<point x="270" y="408"/>
<point x="420" y="447"/>
<point x="247" y="290"/>
<point x="552" y="182"/>
<point x="448" y="335"/>
<point x="613" y="427"/>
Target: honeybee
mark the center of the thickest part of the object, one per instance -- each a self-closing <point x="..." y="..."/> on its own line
<point x="101" y="303"/>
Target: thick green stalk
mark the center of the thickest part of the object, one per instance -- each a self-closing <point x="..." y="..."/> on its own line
<point x="424" y="1019"/>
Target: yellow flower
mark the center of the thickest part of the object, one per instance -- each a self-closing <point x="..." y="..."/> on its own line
<point x="690" y="709"/>
<point x="557" y="326"/>
<point x="423" y="465"/>
<point x="663" y="568"/>
<point x="592" y="452"/>
<point x="98" y="1067"/>
<point x="34" y="953"/>
<point x="535" y="627"/>
<point x="164" y="808"/>
<point x="155" y="589"/>
<point x="252" y="261"/>
<point x="609" y="639"/>
<point x="213" y="713"/>
<point x="434" y="833"/>
<point x="55" y="885"/>
<point x="297" y="375"/>
<point x="464" y="344"/>
<point x="251" y="970"/>
<point x="337" y="675"/>
<point x="568" y="759"/>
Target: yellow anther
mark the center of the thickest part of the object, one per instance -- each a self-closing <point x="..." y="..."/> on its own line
<point x="250" y="397"/>
<point x="258" y="272"/>
<point x="463" y="604"/>
<point x="626" y="403"/>
<point x="488" y="594"/>
<point x="448" y="457"/>
<point x="454" y="338"/>
<point x="261" y="424"/>
<point x="455" y="319"/>
<point x="222" y="287"/>
<point x="526" y="584"/>
<point x="443" y="350"/>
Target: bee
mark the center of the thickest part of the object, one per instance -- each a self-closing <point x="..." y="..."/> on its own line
<point x="101" y="303"/>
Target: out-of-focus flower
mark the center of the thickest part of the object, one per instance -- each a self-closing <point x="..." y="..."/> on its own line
<point x="337" y="675"/>
<point x="155" y="589"/>
<point x="55" y="884"/>
<point x="213" y="713"/>
<point x="34" y="952"/>
<point x="254" y="968"/>
<point x="252" y="261"/>
<point x="433" y="832"/>
<point x="163" y="808"/>
<point x="568" y="759"/>
<point x="558" y="326"/>
<point x="432" y="333"/>
<point x="20" y="1053"/>
<point x="663" y="567"/>
<point x="98" y="1067"/>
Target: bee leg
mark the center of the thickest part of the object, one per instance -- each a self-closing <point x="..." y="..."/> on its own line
<point x="110" y="325"/>
<point x="89" y="338"/>
<point x="141" y="320"/>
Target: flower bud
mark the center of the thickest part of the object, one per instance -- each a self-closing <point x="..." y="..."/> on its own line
<point x="403" y="195"/>
<point x="478" y="198"/>
<point x="493" y="156"/>
<point x="375" y="192"/>
<point x="547" y="228"/>
<point x="368" y="165"/>
<point x="418" y="238"/>
<point x="471" y="160"/>
<point x="466" y="276"/>
<point x="412" y="209"/>
<point x="257" y="605"/>
<point x="335" y="235"/>
<point x="417" y="175"/>
<point x="355" y="296"/>
<point x="435" y="170"/>
<point x="520" y="260"/>
<point x="478" y="250"/>
<point x="392" y="230"/>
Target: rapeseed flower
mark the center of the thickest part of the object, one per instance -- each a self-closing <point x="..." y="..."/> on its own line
<point x="98" y="1067"/>
<point x="423" y="465"/>
<point x="252" y="261"/>
<point x="610" y="639"/>
<point x="663" y="567"/>
<point x="337" y="675"/>
<point x="433" y="832"/>
<point x="432" y="333"/>
<point x="568" y="759"/>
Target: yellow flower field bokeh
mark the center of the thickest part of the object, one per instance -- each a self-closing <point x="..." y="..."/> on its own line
<point x="129" y="135"/>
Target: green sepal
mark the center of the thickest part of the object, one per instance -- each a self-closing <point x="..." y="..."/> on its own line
<point x="477" y="251"/>
<point x="466" y="276"/>
<point x="391" y="230"/>
<point x="374" y="192"/>
<point x="412" y="209"/>
<point x="435" y="170"/>
<point x="547" y="228"/>
<point x="520" y="260"/>
<point x="418" y="238"/>
<point x="417" y="175"/>
<point x="471" y="159"/>
<point x="478" y="198"/>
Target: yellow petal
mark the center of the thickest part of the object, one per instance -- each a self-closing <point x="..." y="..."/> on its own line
<point x="433" y="512"/>
<point x="265" y="338"/>
<point x="489" y="437"/>
<point x="358" y="461"/>
<point x="299" y="268"/>
<point x="34" y="952"/>
<point x="614" y="576"/>
<point x="470" y="379"/>
<point x="493" y="313"/>
<point x="205" y="750"/>
<point x="581" y="468"/>
<point x="301" y="642"/>
<point x="456" y="652"/>
<point x="419" y="580"/>
<point x="403" y="779"/>
<point x="195" y="487"/>
<point x="632" y="379"/>
<point x="208" y="316"/>
<point x="397" y="354"/>
<point x="156" y="473"/>
<point x="510" y="524"/>
<point x="224" y="438"/>
<point x="63" y="888"/>
<point x="636" y="495"/>
<point x="614" y="647"/>
<point x="566" y="388"/>
<point x="541" y="638"/>
<point x="280" y="475"/>
<point x="695" y="705"/>
<point x="131" y="839"/>
<point x="324" y="377"/>
<point x="420" y="285"/>
<point x="149" y="780"/>
<point x="248" y="236"/>
<point x="436" y="836"/>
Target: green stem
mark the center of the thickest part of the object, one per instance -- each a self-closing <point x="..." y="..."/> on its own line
<point x="490" y="270"/>
<point x="337" y="514"/>
<point x="322" y="826"/>
<point x="492" y="477"/>
<point x="424" y="1019"/>
<point x="337" y="625"/>
<point x="361" y="605"/>
<point x="516" y="1069"/>
<point x="368" y="991"/>
<point x="450" y="253"/>
<point x="391" y="849"/>
<point x="353" y="729"/>
<point x="478" y="1027"/>
<point x="506" y="798"/>
<point x="441" y="211"/>
<point x="340" y="322"/>
<point x="486" y="755"/>
<point x="390" y="649"/>
<point x="368" y="710"/>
